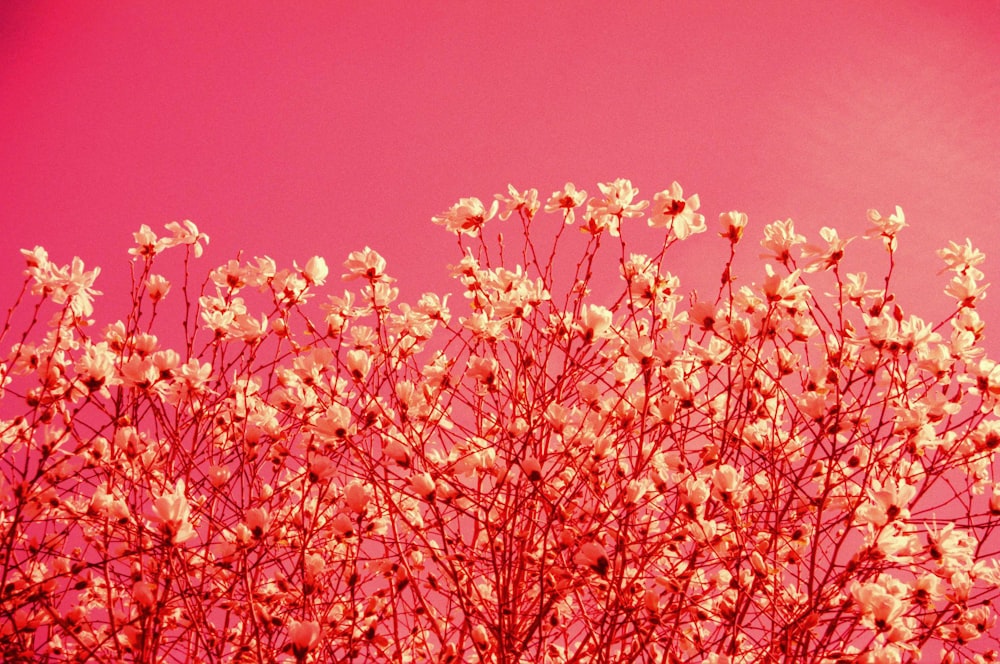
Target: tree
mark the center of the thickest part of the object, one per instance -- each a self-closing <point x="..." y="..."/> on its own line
<point x="562" y="473"/>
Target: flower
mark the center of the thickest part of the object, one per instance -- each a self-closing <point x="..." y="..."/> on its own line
<point x="146" y="242"/>
<point x="518" y="200"/>
<point x="962" y="258"/>
<point x="157" y="287"/>
<point x="595" y="322"/>
<point x="593" y="555"/>
<point x="36" y="258"/>
<point x="357" y="496"/>
<point x="365" y="264"/>
<point x="881" y="603"/>
<point x="172" y="511"/>
<point x="673" y="212"/>
<point x="779" y="238"/>
<point x="304" y="636"/>
<point x="733" y="224"/>
<point x="824" y="258"/>
<point x="185" y="233"/>
<point x="423" y="484"/>
<point x="315" y="270"/>
<point x="607" y="213"/>
<point x="886" y="227"/>
<point x="483" y="370"/>
<point x="567" y="200"/>
<point x="965" y="288"/>
<point x="466" y="217"/>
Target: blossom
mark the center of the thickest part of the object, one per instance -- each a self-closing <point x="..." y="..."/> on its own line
<point x="567" y="200"/>
<point x="365" y="264"/>
<point x="593" y="555"/>
<point x="147" y="244"/>
<point x="526" y="201"/>
<point x="315" y="270"/>
<point x="304" y="637"/>
<point x="825" y="258"/>
<point x="185" y="233"/>
<point x="335" y="423"/>
<point x="157" y="287"/>
<point x="784" y="289"/>
<point x="483" y="370"/>
<point x="962" y="258"/>
<point x="881" y="603"/>
<point x="173" y="512"/>
<point x="779" y="238"/>
<point x="481" y="637"/>
<point x="887" y="502"/>
<point x="144" y="593"/>
<point x="953" y="549"/>
<point x="357" y="496"/>
<point x="423" y="484"/>
<point x="886" y="227"/>
<point x="96" y="368"/>
<point x="728" y="485"/>
<point x="966" y="288"/>
<point x="606" y="213"/>
<point x="37" y="258"/>
<point x="675" y="213"/>
<point x="466" y="217"/>
<point x="733" y="225"/>
<point x="594" y="322"/>
<point x="749" y="470"/>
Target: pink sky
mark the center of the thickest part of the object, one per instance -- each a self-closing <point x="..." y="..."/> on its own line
<point x="304" y="128"/>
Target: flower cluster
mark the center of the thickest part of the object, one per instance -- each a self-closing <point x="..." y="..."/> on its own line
<point x="578" y="466"/>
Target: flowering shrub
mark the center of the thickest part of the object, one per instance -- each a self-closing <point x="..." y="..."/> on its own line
<point x="791" y="470"/>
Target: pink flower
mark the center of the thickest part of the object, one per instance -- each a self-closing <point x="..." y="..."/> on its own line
<point x="526" y="201"/>
<point x="173" y="513"/>
<point x="185" y="233"/>
<point x="466" y="217"/>
<point x="673" y="212"/>
<point x="825" y="258"/>
<point x="887" y="502"/>
<point x="144" y="593"/>
<point x="617" y="203"/>
<point x="779" y="238"/>
<point x="218" y="476"/>
<point x="962" y="258"/>
<point x="96" y="368"/>
<point x="879" y="604"/>
<point x="886" y="227"/>
<point x="483" y="370"/>
<point x="146" y="242"/>
<point x="728" y="485"/>
<point x="37" y="258"/>
<point x="965" y="288"/>
<point x="481" y="637"/>
<point x="315" y="271"/>
<point x="567" y="200"/>
<point x="593" y="555"/>
<point x="257" y="521"/>
<point x="357" y="496"/>
<point x="157" y="287"/>
<point x="733" y="225"/>
<point x="423" y="484"/>
<point x="359" y="363"/>
<point x="365" y="264"/>
<point x="594" y="323"/>
<point x="304" y="636"/>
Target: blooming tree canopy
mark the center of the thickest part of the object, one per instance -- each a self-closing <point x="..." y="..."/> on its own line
<point x="584" y="463"/>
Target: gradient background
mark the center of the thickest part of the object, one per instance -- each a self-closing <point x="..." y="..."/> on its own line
<point x="300" y="128"/>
